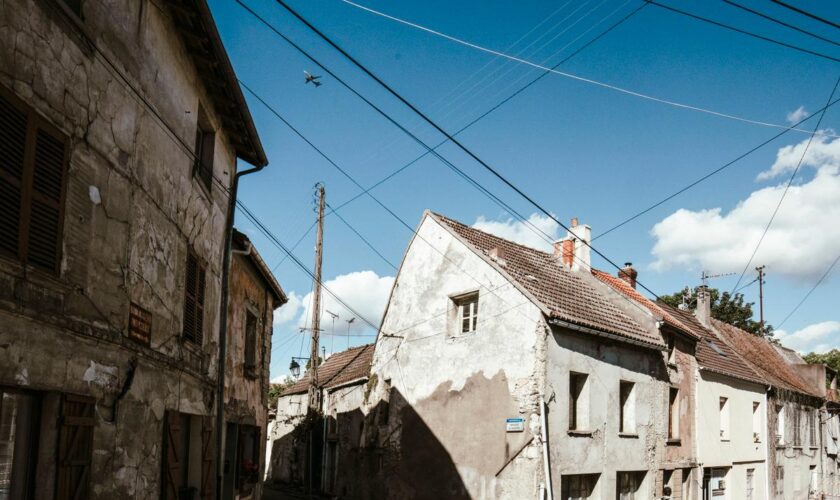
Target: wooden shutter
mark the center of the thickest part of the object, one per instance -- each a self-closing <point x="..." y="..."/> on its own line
<point x="75" y="448"/>
<point x="195" y="283"/>
<point x="46" y="202"/>
<point x="208" y="459"/>
<point x="12" y="150"/>
<point x="172" y="461"/>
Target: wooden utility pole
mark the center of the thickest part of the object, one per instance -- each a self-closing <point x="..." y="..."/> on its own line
<point x="316" y="306"/>
<point x="760" y="270"/>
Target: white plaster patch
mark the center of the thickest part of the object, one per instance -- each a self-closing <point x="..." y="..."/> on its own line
<point x="157" y="409"/>
<point x="102" y="376"/>
<point x="95" y="197"/>
<point x="22" y="377"/>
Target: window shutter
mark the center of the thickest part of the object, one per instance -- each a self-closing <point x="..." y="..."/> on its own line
<point x="45" y="213"/>
<point x="199" y="305"/>
<point x="75" y="448"/>
<point x="194" y="300"/>
<point x="172" y="462"/>
<point x="208" y="459"/>
<point x="12" y="150"/>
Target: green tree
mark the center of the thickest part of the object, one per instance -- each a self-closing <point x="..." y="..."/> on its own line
<point x="726" y="307"/>
<point x="275" y="390"/>
<point x="830" y="358"/>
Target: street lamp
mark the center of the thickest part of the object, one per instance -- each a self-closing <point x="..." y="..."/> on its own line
<point x="294" y="367"/>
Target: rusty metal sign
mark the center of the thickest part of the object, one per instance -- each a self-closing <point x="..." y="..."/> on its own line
<point x="139" y="324"/>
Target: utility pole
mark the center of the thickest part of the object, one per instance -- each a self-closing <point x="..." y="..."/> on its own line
<point x="316" y="307"/>
<point x="760" y="270"/>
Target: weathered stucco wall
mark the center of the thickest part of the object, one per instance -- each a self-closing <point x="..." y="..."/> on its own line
<point x="132" y="210"/>
<point x="797" y="460"/>
<point x="441" y="429"/>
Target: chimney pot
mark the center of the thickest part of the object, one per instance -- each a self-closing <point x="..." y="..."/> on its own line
<point x="574" y="222"/>
<point x="628" y="274"/>
<point x="704" y="306"/>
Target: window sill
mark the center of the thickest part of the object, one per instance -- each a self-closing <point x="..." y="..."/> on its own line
<point x="724" y="440"/>
<point x="674" y="442"/>
<point x="796" y="447"/>
<point x="628" y="435"/>
<point x="578" y="433"/>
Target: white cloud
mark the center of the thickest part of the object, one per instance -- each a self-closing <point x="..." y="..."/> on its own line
<point x="819" y="337"/>
<point x="281" y="379"/>
<point x="802" y="242"/>
<point x="520" y="232"/>
<point x="796" y="115"/>
<point x="289" y="310"/>
<point x="365" y="291"/>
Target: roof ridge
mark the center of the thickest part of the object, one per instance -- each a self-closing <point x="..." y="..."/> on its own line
<point x="471" y="228"/>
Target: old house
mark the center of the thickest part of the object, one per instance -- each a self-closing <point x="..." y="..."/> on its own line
<point x="794" y="402"/>
<point x="120" y="128"/>
<point x="507" y="371"/>
<point x="331" y="458"/>
<point x="254" y="295"/>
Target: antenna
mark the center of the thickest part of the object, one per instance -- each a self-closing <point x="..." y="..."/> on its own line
<point x="705" y="276"/>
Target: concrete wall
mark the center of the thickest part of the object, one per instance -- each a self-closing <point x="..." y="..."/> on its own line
<point x="129" y="243"/>
<point x="797" y="461"/>
<point x="443" y="432"/>
<point x="283" y="464"/>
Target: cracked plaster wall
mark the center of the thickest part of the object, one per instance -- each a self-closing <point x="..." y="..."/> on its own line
<point x="132" y="210"/>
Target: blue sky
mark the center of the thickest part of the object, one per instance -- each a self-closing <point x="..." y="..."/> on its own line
<point x="580" y="150"/>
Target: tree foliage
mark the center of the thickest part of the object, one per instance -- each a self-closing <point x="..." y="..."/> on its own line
<point x="726" y="307"/>
<point x="275" y="390"/>
<point x="830" y="358"/>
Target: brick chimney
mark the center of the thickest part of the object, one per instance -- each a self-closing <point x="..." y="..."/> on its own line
<point x="628" y="274"/>
<point x="704" y="306"/>
<point x="571" y="250"/>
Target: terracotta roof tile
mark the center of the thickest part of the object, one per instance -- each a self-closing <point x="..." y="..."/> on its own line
<point x="567" y="295"/>
<point x="764" y="358"/>
<point x="338" y="369"/>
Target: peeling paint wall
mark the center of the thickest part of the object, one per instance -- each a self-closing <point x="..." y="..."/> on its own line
<point x="797" y="459"/>
<point x="132" y="211"/>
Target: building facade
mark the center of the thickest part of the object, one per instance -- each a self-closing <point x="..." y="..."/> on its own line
<point x="121" y="126"/>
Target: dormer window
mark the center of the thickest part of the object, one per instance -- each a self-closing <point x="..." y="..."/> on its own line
<point x="467" y="309"/>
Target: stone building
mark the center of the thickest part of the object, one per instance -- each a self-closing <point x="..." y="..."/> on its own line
<point x="120" y="129"/>
<point x="254" y="295"/>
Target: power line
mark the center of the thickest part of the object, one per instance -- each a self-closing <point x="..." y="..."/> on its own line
<point x="780" y="22"/>
<point x="818" y="283"/>
<point x="743" y="32"/>
<point x="787" y="187"/>
<point x="805" y="13"/>
<point x="365" y="240"/>
<point x="710" y="174"/>
<point x="570" y="75"/>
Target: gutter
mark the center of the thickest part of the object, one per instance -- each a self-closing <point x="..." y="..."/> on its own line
<point x="223" y="317"/>
<point x="600" y="333"/>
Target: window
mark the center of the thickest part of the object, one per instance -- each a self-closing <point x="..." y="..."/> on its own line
<point x="33" y="164"/>
<point x="672" y="351"/>
<point x="578" y="486"/>
<point x="724" y="419"/>
<point x="578" y="402"/>
<point x="205" y="141"/>
<point x="756" y="421"/>
<point x="797" y="427"/>
<point x="780" y="424"/>
<point x="250" y="344"/>
<point x="629" y="485"/>
<point x="467" y="310"/>
<point x="780" y="480"/>
<point x="750" y="484"/>
<point x="18" y="434"/>
<point x="188" y="454"/>
<point x="75" y="448"/>
<point x="247" y="467"/>
<point x="673" y="413"/>
<point x="627" y="412"/>
<point x="717" y="483"/>
<point x="812" y="429"/>
<point x="194" y="300"/>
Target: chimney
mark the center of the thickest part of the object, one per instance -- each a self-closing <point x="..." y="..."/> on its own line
<point x="574" y="254"/>
<point x="704" y="306"/>
<point x="628" y="274"/>
<point x="498" y="254"/>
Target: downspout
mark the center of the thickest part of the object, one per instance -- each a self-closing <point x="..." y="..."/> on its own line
<point x="547" y="466"/>
<point x="767" y="429"/>
<point x="223" y="314"/>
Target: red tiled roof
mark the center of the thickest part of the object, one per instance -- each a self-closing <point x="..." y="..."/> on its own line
<point x="712" y="353"/>
<point x="338" y="369"/>
<point x="764" y="358"/>
<point x="623" y="287"/>
<point x="566" y="295"/>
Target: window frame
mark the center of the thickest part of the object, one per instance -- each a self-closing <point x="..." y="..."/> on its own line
<point x="196" y="337"/>
<point x="35" y="123"/>
<point x="204" y="161"/>
<point x="459" y="302"/>
<point x="250" y="366"/>
<point x="578" y="400"/>
<point x="673" y="414"/>
<point x="627" y="407"/>
<point x="725" y="418"/>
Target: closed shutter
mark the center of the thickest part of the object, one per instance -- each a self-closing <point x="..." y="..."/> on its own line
<point x="172" y="461"/>
<point x="75" y="448"/>
<point x="208" y="459"/>
<point x="195" y="282"/>
<point x="45" y="211"/>
<point x="12" y="150"/>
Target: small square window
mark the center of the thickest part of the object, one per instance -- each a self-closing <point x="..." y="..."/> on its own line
<point x="467" y="312"/>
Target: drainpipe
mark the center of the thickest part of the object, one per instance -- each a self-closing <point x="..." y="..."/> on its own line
<point x="223" y="314"/>
<point x="544" y="432"/>
<point x="769" y="432"/>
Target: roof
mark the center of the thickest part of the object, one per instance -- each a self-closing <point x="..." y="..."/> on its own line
<point x="764" y="358"/>
<point x="623" y="287"/>
<point x="562" y="294"/>
<point x="339" y="369"/>
<point x="714" y="354"/>
<point x="195" y="24"/>
<point x="241" y="242"/>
